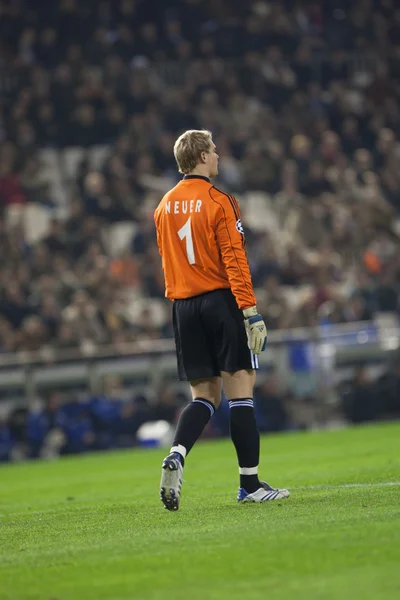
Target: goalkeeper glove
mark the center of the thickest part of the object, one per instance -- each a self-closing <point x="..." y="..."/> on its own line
<point x="255" y="329"/>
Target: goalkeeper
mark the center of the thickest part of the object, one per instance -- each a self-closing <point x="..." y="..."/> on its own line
<point x="218" y="331"/>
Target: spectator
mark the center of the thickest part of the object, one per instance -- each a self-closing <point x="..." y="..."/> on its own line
<point x="124" y="269"/>
<point x="327" y="172"/>
<point x="270" y="407"/>
<point x="360" y="401"/>
<point x="167" y="406"/>
<point x="6" y="441"/>
<point x="386" y="296"/>
<point x="84" y="317"/>
<point x="77" y="427"/>
<point x="43" y="433"/>
<point x="389" y="392"/>
<point x="107" y="414"/>
<point x="13" y="306"/>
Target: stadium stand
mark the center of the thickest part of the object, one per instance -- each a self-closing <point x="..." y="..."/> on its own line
<point x="303" y="102"/>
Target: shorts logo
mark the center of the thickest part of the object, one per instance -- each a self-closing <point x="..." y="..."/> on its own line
<point x="239" y="226"/>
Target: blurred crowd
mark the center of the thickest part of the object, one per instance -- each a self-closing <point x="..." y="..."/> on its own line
<point x="302" y="98"/>
<point x="58" y="424"/>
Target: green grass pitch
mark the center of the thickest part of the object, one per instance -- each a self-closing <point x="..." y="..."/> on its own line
<point x="93" y="528"/>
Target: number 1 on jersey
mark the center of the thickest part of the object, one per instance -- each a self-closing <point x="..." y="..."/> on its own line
<point x="186" y="232"/>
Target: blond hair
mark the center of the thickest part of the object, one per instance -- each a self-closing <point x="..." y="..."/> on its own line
<point x="189" y="146"/>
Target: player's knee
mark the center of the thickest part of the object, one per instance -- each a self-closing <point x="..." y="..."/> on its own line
<point x="214" y="401"/>
<point x="209" y="389"/>
<point x="239" y="384"/>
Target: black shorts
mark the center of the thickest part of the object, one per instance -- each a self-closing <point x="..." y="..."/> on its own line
<point x="210" y="336"/>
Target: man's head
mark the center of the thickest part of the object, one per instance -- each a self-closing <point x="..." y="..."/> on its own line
<point x="195" y="153"/>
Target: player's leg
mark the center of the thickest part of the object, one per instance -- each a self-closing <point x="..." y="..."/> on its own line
<point x="206" y="394"/>
<point x="238" y="369"/>
<point x="238" y="388"/>
<point x="196" y="364"/>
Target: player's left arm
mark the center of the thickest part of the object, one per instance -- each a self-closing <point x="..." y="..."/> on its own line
<point x="231" y="242"/>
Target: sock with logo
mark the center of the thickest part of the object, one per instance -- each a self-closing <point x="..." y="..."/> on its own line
<point x="191" y="424"/>
<point x="246" y="439"/>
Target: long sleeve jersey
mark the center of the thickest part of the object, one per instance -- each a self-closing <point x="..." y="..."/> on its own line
<point x="201" y="241"/>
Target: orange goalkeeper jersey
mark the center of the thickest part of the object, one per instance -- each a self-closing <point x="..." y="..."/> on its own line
<point x="201" y="242"/>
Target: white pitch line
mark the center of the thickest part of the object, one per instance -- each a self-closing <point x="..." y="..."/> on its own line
<point x="346" y="485"/>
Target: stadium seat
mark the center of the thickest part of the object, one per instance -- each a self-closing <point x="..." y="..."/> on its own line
<point x="70" y="161"/>
<point x="258" y="212"/>
<point x="51" y="160"/>
<point x="118" y="236"/>
<point x="98" y="155"/>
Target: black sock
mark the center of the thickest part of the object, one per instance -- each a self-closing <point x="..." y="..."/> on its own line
<point x="191" y="423"/>
<point x="246" y="439"/>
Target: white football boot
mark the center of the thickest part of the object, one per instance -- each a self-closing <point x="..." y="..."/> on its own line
<point x="263" y="494"/>
<point x="171" y="481"/>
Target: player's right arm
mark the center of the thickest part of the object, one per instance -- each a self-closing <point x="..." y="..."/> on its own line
<point x="157" y="225"/>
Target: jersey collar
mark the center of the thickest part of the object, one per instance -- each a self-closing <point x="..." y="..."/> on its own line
<point x="197" y="177"/>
